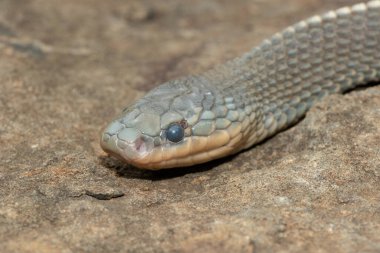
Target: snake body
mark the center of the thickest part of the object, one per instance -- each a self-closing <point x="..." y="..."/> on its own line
<point x="203" y="117"/>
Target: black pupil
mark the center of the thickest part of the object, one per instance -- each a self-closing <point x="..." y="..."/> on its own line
<point x="175" y="133"/>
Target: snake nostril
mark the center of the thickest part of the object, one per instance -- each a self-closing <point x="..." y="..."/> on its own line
<point x="139" y="144"/>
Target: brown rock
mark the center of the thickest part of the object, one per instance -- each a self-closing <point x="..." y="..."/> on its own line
<point x="66" y="67"/>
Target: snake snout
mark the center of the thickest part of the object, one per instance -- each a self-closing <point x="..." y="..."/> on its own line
<point x="127" y="143"/>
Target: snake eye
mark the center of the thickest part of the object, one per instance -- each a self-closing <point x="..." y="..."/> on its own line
<point x="175" y="133"/>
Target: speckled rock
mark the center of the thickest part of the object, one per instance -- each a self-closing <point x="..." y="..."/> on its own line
<point x="66" y="67"/>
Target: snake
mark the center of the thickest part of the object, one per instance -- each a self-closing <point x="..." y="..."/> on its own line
<point x="235" y="105"/>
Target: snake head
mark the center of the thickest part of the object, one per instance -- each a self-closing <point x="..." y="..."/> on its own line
<point x="180" y="123"/>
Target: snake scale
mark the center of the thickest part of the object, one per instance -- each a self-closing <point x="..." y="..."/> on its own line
<point x="202" y="117"/>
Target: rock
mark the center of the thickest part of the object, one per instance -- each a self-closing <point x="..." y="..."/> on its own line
<point x="67" y="68"/>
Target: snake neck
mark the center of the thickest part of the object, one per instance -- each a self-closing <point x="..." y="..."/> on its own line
<point x="288" y="73"/>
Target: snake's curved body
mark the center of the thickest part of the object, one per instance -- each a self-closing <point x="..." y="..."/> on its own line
<point x="252" y="97"/>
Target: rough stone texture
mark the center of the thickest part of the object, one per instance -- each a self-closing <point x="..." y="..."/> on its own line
<point x="66" y="68"/>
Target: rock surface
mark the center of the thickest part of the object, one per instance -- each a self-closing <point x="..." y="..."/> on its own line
<point x="66" y="68"/>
